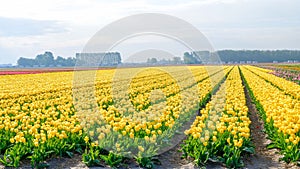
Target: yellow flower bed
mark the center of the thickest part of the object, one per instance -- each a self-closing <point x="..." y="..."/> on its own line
<point x="39" y="117"/>
<point x="279" y="111"/>
<point x="223" y="123"/>
<point x="287" y="86"/>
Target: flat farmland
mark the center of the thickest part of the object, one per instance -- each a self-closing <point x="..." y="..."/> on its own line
<point x="229" y="116"/>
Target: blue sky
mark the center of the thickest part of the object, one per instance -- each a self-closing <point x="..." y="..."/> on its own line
<point x="28" y="28"/>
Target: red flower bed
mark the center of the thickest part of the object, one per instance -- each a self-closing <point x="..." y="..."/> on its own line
<point x="33" y="71"/>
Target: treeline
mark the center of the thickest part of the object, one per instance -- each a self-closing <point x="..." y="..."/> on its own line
<point x="196" y="57"/>
<point x="46" y="60"/>
<point x="174" y="60"/>
<point x="233" y="56"/>
<point x="260" y="56"/>
<point x="86" y="59"/>
<point x="238" y="56"/>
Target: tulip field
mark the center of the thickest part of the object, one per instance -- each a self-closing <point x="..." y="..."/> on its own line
<point x="288" y="72"/>
<point x="112" y="115"/>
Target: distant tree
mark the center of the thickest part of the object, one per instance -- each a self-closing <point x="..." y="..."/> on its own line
<point x="257" y="55"/>
<point x="164" y="61"/>
<point x="176" y="60"/>
<point x="118" y="57"/>
<point x="26" y="62"/>
<point x="152" y="60"/>
<point x="60" y="61"/>
<point x="70" y="61"/>
<point x="45" y="59"/>
<point x="201" y="56"/>
<point x="188" y="58"/>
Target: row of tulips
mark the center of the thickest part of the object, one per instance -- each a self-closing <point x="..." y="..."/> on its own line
<point x="221" y="132"/>
<point x="279" y="111"/>
<point x="288" y="87"/>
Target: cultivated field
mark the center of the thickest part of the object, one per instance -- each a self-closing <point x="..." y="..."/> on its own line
<point x="122" y="117"/>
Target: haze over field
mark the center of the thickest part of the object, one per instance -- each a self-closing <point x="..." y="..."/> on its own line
<point x="31" y="27"/>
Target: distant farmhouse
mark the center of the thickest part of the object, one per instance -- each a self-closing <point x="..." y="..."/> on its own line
<point x="98" y="59"/>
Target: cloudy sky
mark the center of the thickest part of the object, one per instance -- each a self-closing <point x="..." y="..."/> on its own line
<point x="30" y="27"/>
